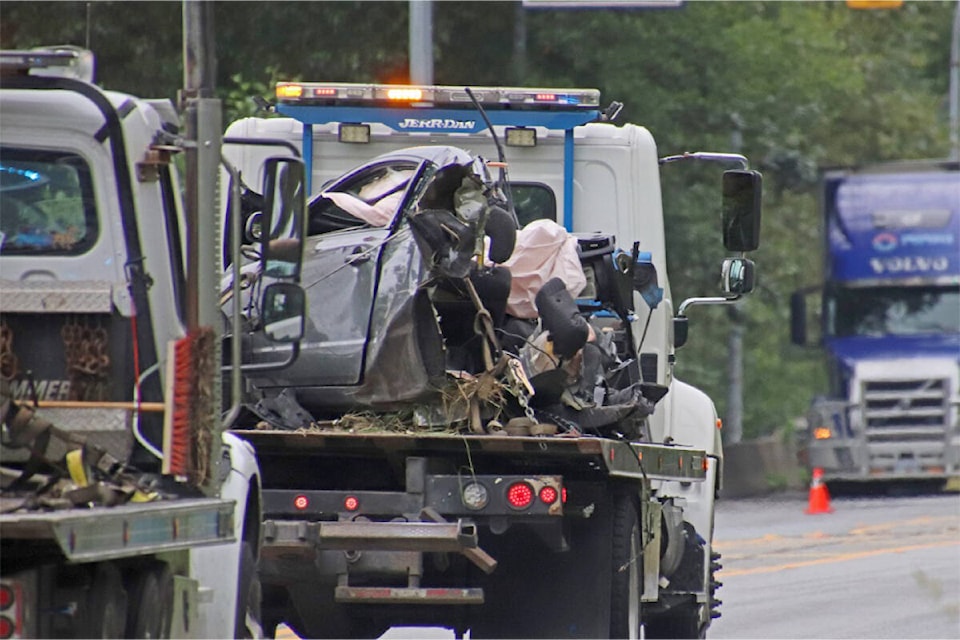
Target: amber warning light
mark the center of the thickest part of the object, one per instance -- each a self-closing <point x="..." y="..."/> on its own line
<point x="405" y="94"/>
<point x="345" y="93"/>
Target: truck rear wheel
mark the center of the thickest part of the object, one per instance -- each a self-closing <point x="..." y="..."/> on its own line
<point x="106" y="604"/>
<point x="626" y="568"/>
<point x="248" y="595"/>
<point x="684" y="622"/>
<point x="151" y="602"/>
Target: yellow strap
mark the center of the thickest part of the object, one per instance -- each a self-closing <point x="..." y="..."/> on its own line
<point x="77" y="469"/>
<point x="140" y="496"/>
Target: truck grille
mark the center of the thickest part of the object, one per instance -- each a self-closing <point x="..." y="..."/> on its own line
<point x="905" y="410"/>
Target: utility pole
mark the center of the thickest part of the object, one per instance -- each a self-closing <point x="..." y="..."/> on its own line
<point x="733" y="424"/>
<point x="955" y="86"/>
<point x="203" y="119"/>
<point x="520" y="44"/>
<point x="421" y="42"/>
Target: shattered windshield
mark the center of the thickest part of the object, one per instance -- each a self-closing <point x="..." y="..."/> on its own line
<point x="893" y="311"/>
<point x="46" y="203"/>
<point x="371" y="197"/>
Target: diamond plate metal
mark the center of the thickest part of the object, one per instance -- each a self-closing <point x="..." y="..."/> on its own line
<point x="105" y="428"/>
<point x="85" y="296"/>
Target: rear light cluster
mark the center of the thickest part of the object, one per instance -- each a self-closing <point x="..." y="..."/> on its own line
<point x="9" y="611"/>
<point x="519" y="495"/>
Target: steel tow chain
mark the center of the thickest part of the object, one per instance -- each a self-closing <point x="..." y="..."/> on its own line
<point x="521" y="387"/>
<point x="9" y="366"/>
<point x="518" y="383"/>
<point x="88" y="363"/>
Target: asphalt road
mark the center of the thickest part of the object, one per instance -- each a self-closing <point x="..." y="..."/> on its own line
<point x="876" y="567"/>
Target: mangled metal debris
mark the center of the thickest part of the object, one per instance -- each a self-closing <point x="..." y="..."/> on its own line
<point x="430" y="310"/>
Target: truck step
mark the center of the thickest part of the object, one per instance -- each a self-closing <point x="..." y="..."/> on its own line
<point x="407" y="595"/>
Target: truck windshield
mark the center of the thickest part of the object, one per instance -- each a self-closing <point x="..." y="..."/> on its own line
<point x="47" y="203"/>
<point x="533" y="201"/>
<point x="893" y="311"/>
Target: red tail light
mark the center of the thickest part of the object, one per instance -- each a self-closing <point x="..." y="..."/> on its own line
<point x="350" y="503"/>
<point x="548" y="495"/>
<point x="6" y="627"/>
<point x="10" y="605"/>
<point x="520" y="495"/>
<point x="301" y="502"/>
<point x="563" y="495"/>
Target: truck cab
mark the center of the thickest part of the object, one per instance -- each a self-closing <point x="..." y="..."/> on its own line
<point x="93" y="281"/>
<point x="890" y="313"/>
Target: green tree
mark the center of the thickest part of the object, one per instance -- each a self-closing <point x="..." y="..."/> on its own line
<point x="805" y="85"/>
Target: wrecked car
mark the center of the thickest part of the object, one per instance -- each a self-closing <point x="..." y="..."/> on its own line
<point x="424" y="297"/>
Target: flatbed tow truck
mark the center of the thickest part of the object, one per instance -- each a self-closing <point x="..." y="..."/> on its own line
<point x="375" y="519"/>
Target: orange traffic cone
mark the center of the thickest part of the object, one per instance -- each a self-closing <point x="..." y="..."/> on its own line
<point x="819" y="496"/>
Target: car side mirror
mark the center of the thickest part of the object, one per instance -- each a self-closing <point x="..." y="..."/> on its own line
<point x="738" y="276"/>
<point x="282" y="224"/>
<point x="742" y="196"/>
<point x="284" y="309"/>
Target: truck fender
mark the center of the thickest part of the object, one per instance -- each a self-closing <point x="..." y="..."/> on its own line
<point x="693" y="422"/>
<point x="217" y="568"/>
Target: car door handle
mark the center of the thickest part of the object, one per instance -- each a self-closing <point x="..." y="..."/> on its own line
<point x="359" y="255"/>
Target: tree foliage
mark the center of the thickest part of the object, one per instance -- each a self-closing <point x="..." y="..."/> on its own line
<point x="796" y="86"/>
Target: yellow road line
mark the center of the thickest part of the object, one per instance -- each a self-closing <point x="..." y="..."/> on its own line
<point x="836" y="558"/>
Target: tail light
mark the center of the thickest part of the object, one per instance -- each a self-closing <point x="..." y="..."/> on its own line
<point x="351" y="503"/>
<point x="520" y="495"/>
<point x="548" y="495"/>
<point x="301" y="502"/>
<point x="10" y="611"/>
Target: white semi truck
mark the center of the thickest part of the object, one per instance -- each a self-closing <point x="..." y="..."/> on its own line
<point x="127" y="510"/>
<point x="372" y="522"/>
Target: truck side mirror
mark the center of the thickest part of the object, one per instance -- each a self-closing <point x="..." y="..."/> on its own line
<point x="738" y="276"/>
<point x="742" y="195"/>
<point x="681" y="325"/>
<point x="798" y="318"/>
<point x="284" y="308"/>
<point x="283" y="221"/>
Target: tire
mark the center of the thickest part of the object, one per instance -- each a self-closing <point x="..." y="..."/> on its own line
<point x="685" y="618"/>
<point x="106" y="604"/>
<point x="249" y="593"/>
<point x="151" y="602"/>
<point x="682" y="622"/>
<point x="626" y="568"/>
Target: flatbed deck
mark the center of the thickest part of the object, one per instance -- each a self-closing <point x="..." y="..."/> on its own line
<point x="620" y="458"/>
<point x="102" y="533"/>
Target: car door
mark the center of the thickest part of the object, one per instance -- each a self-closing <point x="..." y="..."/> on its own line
<point x="341" y="273"/>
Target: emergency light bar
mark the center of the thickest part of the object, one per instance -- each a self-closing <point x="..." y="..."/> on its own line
<point x="65" y="61"/>
<point x="344" y="94"/>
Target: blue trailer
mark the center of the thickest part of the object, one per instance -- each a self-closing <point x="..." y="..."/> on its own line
<point x="890" y="324"/>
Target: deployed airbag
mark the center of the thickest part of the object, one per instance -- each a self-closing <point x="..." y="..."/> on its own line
<point x="544" y="250"/>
